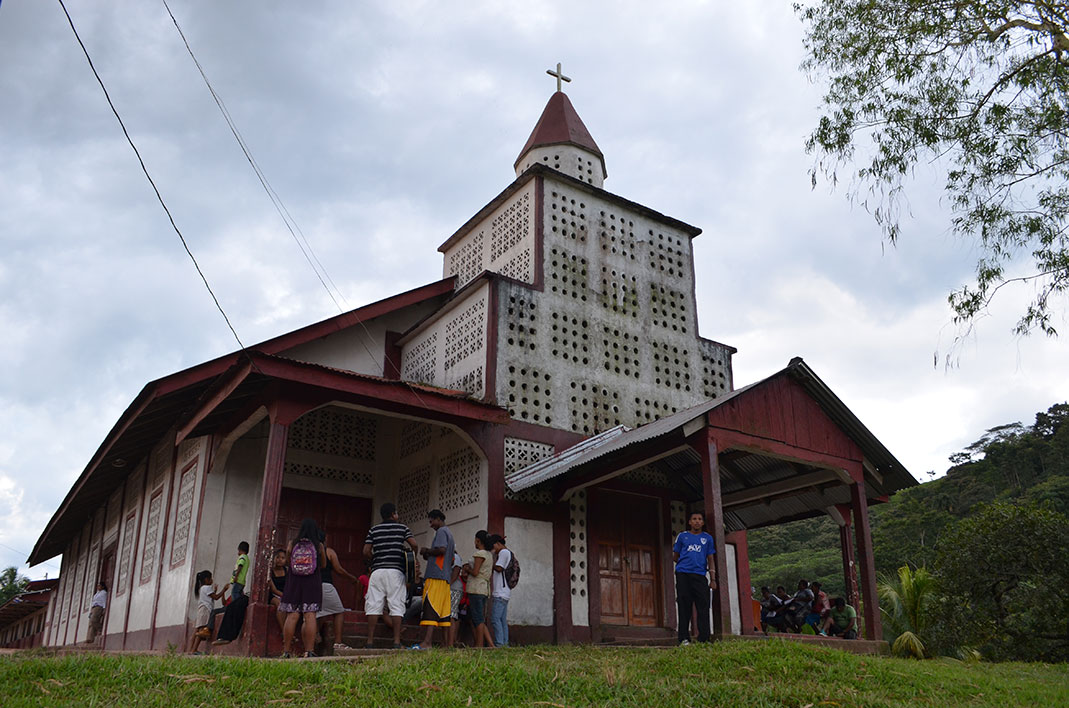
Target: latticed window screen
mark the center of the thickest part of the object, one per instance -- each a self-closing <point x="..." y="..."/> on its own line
<point x="79" y="582"/>
<point x="459" y="479"/>
<point x="328" y="472"/>
<point x="521" y="453"/>
<point x="509" y="228"/>
<point x="335" y="431"/>
<point x="413" y="495"/>
<point x="421" y="362"/>
<point x="467" y="261"/>
<point x="415" y="437"/>
<point x="126" y="555"/>
<point x="90" y="585"/>
<point x="184" y="515"/>
<point x="465" y="333"/>
<point x="152" y="536"/>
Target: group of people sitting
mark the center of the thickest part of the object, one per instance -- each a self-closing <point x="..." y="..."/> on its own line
<point x="809" y="606"/>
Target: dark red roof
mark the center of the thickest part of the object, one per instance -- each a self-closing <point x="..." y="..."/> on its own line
<point x="560" y="125"/>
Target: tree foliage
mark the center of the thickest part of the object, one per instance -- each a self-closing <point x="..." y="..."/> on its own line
<point x="1004" y="576"/>
<point x="11" y="583"/>
<point x="905" y="601"/>
<point x="979" y="86"/>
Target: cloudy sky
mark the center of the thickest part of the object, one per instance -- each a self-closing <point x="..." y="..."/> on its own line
<point x="383" y="127"/>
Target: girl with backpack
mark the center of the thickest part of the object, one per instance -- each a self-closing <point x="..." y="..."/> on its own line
<point x="303" y="594"/>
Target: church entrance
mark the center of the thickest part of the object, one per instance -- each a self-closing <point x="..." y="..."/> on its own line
<point x="345" y="520"/>
<point x="624" y="529"/>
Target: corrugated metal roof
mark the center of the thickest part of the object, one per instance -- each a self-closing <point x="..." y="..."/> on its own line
<point x="755" y="469"/>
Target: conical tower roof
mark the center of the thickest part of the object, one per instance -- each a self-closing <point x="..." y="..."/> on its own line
<point x="561" y="125"/>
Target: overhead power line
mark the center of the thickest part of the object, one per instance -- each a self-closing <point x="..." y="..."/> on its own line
<point x="148" y="176"/>
<point x="287" y="219"/>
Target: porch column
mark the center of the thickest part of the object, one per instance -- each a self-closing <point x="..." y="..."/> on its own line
<point x="257" y="618"/>
<point x="863" y="536"/>
<point x="846" y="544"/>
<point x="714" y="522"/>
<point x="742" y="569"/>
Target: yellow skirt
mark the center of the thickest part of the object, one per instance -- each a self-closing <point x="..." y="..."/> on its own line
<point x="436" y="603"/>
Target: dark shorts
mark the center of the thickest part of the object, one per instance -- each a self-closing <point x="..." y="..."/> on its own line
<point x="477" y="609"/>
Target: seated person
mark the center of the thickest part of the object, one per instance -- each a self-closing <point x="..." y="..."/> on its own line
<point x="798" y="607"/>
<point x="770" y="604"/>
<point x="776" y="617"/>
<point x="841" y="621"/>
<point x="820" y="607"/>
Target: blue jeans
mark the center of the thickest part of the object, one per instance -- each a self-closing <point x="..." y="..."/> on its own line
<point x="499" y="610"/>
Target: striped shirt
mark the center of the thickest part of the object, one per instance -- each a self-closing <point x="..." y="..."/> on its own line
<point x="388" y="545"/>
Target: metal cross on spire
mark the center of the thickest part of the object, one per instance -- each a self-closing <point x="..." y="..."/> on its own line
<point x="559" y="75"/>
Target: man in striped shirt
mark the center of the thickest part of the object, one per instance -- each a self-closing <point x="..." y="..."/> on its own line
<point x="384" y="548"/>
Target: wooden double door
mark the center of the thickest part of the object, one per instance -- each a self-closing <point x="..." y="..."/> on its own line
<point x="624" y="528"/>
<point x="345" y="520"/>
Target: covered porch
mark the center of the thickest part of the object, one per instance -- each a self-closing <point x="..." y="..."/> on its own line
<point x="782" y="449"/>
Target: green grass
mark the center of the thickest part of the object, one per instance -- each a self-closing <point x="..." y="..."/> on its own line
<point x="747" y="674"/>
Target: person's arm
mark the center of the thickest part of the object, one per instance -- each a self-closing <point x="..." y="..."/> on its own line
<point x="710" y="561"/>
<point x="368" y="555"/>
<point x="456" y="574"/>
<point x="501" y="568"/>
<point x="219" y="594"/>
<point x="852" y="624"/>
<point x="478" y="564"/>
<point x="412" y="542"/>
<point x="332" y="558"/>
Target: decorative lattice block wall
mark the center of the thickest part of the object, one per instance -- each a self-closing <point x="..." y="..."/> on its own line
<point x="520" y="453"/>
<point x="336" y="444"/>
<point x="572" y="161"/>
<point x="577" y="559"/>
<point x="502" y="242"/>
<point x="450" y="351"/>
<point x="439" y="469"/>
<point x="612" y="337"/>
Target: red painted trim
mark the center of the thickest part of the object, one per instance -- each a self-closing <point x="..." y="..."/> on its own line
<point x="735" y="440"/>
<point x="540" y="234"/>
<point x="562" y="574"/>
<point x="493" y="296"/>
<point x="391" y="357"/>
<point x="378" y="390"/>
<point x="125" y="421"/>
<point x="274" y="464"/>
<point x="526" y="510"/>
<point x="218" y="393"/>
<point x="140" y="510"/>
<point x="163" y="537"/>
<point x="846" y="546"/>
<point x="668" y="594"/>
<point x="714" y="521"/>
<point x="873" y="628"/>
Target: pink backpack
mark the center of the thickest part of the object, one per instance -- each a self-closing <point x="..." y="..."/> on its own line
<point x="304" y="557"/>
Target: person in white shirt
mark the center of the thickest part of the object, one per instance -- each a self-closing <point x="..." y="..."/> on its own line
<point x="456" y="596"/>
<point x="500" y="592"/>
<point x="96" y="611"/>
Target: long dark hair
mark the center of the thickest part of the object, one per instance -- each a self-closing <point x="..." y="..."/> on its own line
<point x="202" y="579"/>
<point x="310" y="530"/>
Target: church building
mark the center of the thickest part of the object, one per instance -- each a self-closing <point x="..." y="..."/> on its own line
<point x="552" y="386"/>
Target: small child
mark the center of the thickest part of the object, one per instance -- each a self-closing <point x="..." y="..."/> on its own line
<point x="241" y="571"/>
<point x="206" y="598"/>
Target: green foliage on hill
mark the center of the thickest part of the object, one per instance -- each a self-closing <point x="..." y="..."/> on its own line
<point x="1011" y="463"/>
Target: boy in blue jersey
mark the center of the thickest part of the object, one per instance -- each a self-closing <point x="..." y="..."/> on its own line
<point x="693" y="554"/>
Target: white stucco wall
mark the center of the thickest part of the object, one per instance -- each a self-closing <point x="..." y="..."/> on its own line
<point x="532" y="600"/>
<point x="360" y="348"/>
<point x="144" y="580"/>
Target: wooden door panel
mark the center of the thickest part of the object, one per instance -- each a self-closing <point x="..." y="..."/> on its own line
<point x="613" y="609"/>
<point x="625" y="530"/>
<point x="643" y="603"/>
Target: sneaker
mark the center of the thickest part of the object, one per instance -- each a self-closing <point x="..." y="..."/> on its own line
<point x="286" y="655"/>
<point x="685" y="643"/>
<point x="339" y="645"/>
<point x="822" y="633"/>
<point x="220" y="642"/>
<point x="309" y="655"/>
<point x="417" y="647"/>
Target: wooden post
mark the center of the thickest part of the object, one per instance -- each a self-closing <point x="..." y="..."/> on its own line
<point x="742" y="569"/>
<point x="257" y="618"/>
<point x="863" y="536"/>
<point x="846" y="544"/>
<point x="714" y="522"/>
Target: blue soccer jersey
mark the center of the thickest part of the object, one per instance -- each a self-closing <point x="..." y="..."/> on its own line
<point x="693" y="549"/>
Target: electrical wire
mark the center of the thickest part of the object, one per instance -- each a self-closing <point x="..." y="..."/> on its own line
<point x="287" y="219"/>
<point x="148" y="176"/>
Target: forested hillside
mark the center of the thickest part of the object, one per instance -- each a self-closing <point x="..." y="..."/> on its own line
<point x="1011" y="462"/>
